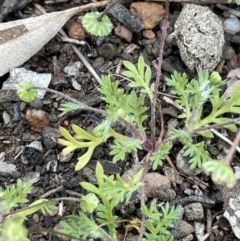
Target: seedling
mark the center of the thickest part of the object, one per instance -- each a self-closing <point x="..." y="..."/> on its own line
<point x="96" y="218"/>
<point x="11" y="223"/>
<point x="129" y="109"/>
<point x="101" y="202"/>
<point x="95" y="26"/>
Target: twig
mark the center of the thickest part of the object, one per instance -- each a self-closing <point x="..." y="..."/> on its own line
<point x="51" y="192"/>
<point x="73" y="41"/>
<point x="170" y="162"/>
<point x="111" y="4"/>
<point x="71" y="199"/>
<point x="230" y="154"/>
<point x="230" y="10"/>
<point x="224" y="138"/>
<point x="81" y="105"/>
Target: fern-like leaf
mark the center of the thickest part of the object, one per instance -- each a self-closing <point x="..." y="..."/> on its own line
<point x="159" y="155"/>
<point x="67" y="107"/>
<point x="220" y="173"/>
<point x="121" y="147"/>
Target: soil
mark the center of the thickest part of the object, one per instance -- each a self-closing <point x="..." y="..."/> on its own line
<point x="53" y="175"/>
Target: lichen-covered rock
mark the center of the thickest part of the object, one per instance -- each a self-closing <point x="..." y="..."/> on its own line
<point x="199" y="36"/>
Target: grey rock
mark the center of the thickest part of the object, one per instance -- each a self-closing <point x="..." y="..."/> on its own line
<point x="228" y="52"/>
<point x="199" y="230"/>
<point x="8" y="95"/>
<point x="194" y="211"/>
<point x="183" y="165"/>
<point x="164" y="194"/>
<point x="200" y="37"/>
<point x="182" y="229"/>
<point x="188" y="238"/>
<point x="98" y="62"/>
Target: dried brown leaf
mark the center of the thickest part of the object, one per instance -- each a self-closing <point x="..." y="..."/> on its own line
<point x="21" y="39"/>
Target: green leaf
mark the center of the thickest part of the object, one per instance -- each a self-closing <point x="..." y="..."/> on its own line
<point x="13" y="230"/>
<point x="138" y="76"/>
<point x="82" y="226"/>
<point x="65" y="133"/>
<point x="99" y="173"/>
<point x="82" y="134"/>
<point x="232" y="128"/>
<point x="220" y="173"/>
<point x="67" y="107"/>
<point x="159" y="155"/>
<point x="148" y="75"/>
<point x="15" y="195"/>
<point x="84" y="159"/>
<point x="131" y="67"/>
<point x="90" y="187"/>
<point x="121" y="147"/>
<point x="98" y="28"/>
<point x="89" y="203"/>
<point x="206" y="134"/>
<point x="158" y="223"/>
<point x="32" y="208"/>
<point x="141" y="66"/>
<point x="25" y="94"/>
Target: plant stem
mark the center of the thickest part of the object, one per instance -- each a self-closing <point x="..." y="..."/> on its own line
<point x="159" y="75"/>
<point x="133" y="129"/>
<point x="118" y="136"/>
<point x="111" y="4"/>
<point x="67" y="97"/>
<point x="153" y="112"/>
<point x="86" y="107"/>
<point x="215" y="126"/>
<point x="145" y="170"/>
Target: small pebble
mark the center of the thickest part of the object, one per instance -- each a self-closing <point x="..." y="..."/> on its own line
<point x="123" y="33"/>
<point x="183" y="166"/>
<point x="151" y="13"/>
<point x="155" y="180"/>
<point x="182" y="229"/>
<point x="37" y="119"/>
<point x="48" y="135"/>
<point x="232" y="24"/>
<point x="164" y="194"/>
<point x="107" y="51"/>
<point x="76" y="30"/>
<point x="149" y="34"/>
<point x="228" y="52"/>
<point x="194" y="211"/>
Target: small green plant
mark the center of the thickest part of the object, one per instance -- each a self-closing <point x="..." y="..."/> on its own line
<point x="130" y="110"/>
<point x="101" y="202"/>
<point x="11" y="223"/>
<point x="96" y="26"/>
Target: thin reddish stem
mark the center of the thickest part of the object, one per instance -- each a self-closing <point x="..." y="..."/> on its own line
<point x="159" y="74"/>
